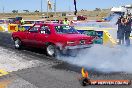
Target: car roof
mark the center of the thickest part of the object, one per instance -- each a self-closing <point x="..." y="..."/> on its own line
<point x="52" y="24"/>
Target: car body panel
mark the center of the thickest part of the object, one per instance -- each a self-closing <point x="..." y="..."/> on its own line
<point x="46" y="33"/>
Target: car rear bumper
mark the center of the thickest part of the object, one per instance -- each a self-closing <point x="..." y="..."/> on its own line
<point x="79" y="46"/>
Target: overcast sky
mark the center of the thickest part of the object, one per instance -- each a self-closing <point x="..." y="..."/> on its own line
<point x="62" y="5"/>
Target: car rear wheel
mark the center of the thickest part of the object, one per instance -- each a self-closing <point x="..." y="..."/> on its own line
<point x="53" y="51"/>
<point x="18" y="43"/>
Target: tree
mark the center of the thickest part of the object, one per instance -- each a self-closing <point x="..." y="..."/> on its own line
<point x="97" y="9"/>
<point x="36" y="11"/>
<point x="14" y="11"/>
<point x="26" y="11"/>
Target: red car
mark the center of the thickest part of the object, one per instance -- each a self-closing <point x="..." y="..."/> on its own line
<point x="52" y="37"/>
<point x="81" y="17"/>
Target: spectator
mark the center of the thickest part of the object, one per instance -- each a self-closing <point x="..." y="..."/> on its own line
<point x="120" y="31"/>
<point x="66" y="22"/>
<point x="128" y="29"/>
<point x="22" y="22"/>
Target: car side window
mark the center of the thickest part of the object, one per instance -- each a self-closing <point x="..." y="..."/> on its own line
<point x="45" y="30"/>
<point x="34" y="29"/>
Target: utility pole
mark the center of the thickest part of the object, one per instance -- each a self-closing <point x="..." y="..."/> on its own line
<point x="3" y="9"/>
<point x="47" y="8"/>
<point x="55" y="7"/>
<point x="69" y="6"/>
<point x="41" y="6"/>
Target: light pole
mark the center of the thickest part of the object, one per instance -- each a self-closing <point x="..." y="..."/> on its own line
<point x="3" y="9"/>
<point x="41" y="6"/>
<point x="55" y="7"/>
<point x="47" y="8"/>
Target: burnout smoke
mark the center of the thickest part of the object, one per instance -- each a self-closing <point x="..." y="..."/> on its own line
<point x="114" y="18"/>
<point x="105" y="59"/>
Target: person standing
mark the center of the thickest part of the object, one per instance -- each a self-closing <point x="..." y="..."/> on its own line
<point x="128" y="29"/>
<point x="22" y="22"/>
<point x="120" y="31"/>
<point x="66" y="22"/>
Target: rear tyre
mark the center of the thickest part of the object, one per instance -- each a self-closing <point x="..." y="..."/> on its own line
<point x="18" y="43"/>
<point x="51" y="50"/>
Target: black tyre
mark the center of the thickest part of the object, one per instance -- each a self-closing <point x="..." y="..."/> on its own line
<point x="18" y="43"/>
<point x="51" y="50"/>
<point x="85" y="82"/>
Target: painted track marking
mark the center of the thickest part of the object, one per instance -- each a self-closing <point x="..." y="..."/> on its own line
<point x="2" y="72"/>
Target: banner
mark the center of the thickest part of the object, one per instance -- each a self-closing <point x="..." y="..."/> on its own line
<point x="75" y="4"/>
<point x="49" y="4"/>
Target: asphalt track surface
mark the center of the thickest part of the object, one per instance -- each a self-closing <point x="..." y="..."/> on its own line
<point x="49" y="72"/>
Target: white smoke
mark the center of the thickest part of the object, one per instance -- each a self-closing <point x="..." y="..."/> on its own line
<point x="105" y="59"/>
<point x="102" y="58"/>
<point x="115" y="18"/>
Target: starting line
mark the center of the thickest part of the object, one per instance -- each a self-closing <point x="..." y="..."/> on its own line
<point x="3" y="72"/>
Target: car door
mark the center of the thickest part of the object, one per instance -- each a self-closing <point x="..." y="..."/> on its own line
<point x="43" y="35"/>
<point x="31" y="35"/>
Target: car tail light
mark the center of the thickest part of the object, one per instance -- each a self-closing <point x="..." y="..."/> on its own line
<point x="70" y="42"/>
<point x="90" y="40"/>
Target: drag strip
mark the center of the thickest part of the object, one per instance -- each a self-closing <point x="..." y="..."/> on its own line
<point x="7" y="42"/>
<point x="33" y="54"/>
<point x="30" y="68"/>
<point x="26" y="55"/>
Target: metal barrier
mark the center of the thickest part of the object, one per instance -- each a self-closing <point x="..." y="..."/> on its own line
<point x="1" y="28"/>
<point x="103" y="35"/>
